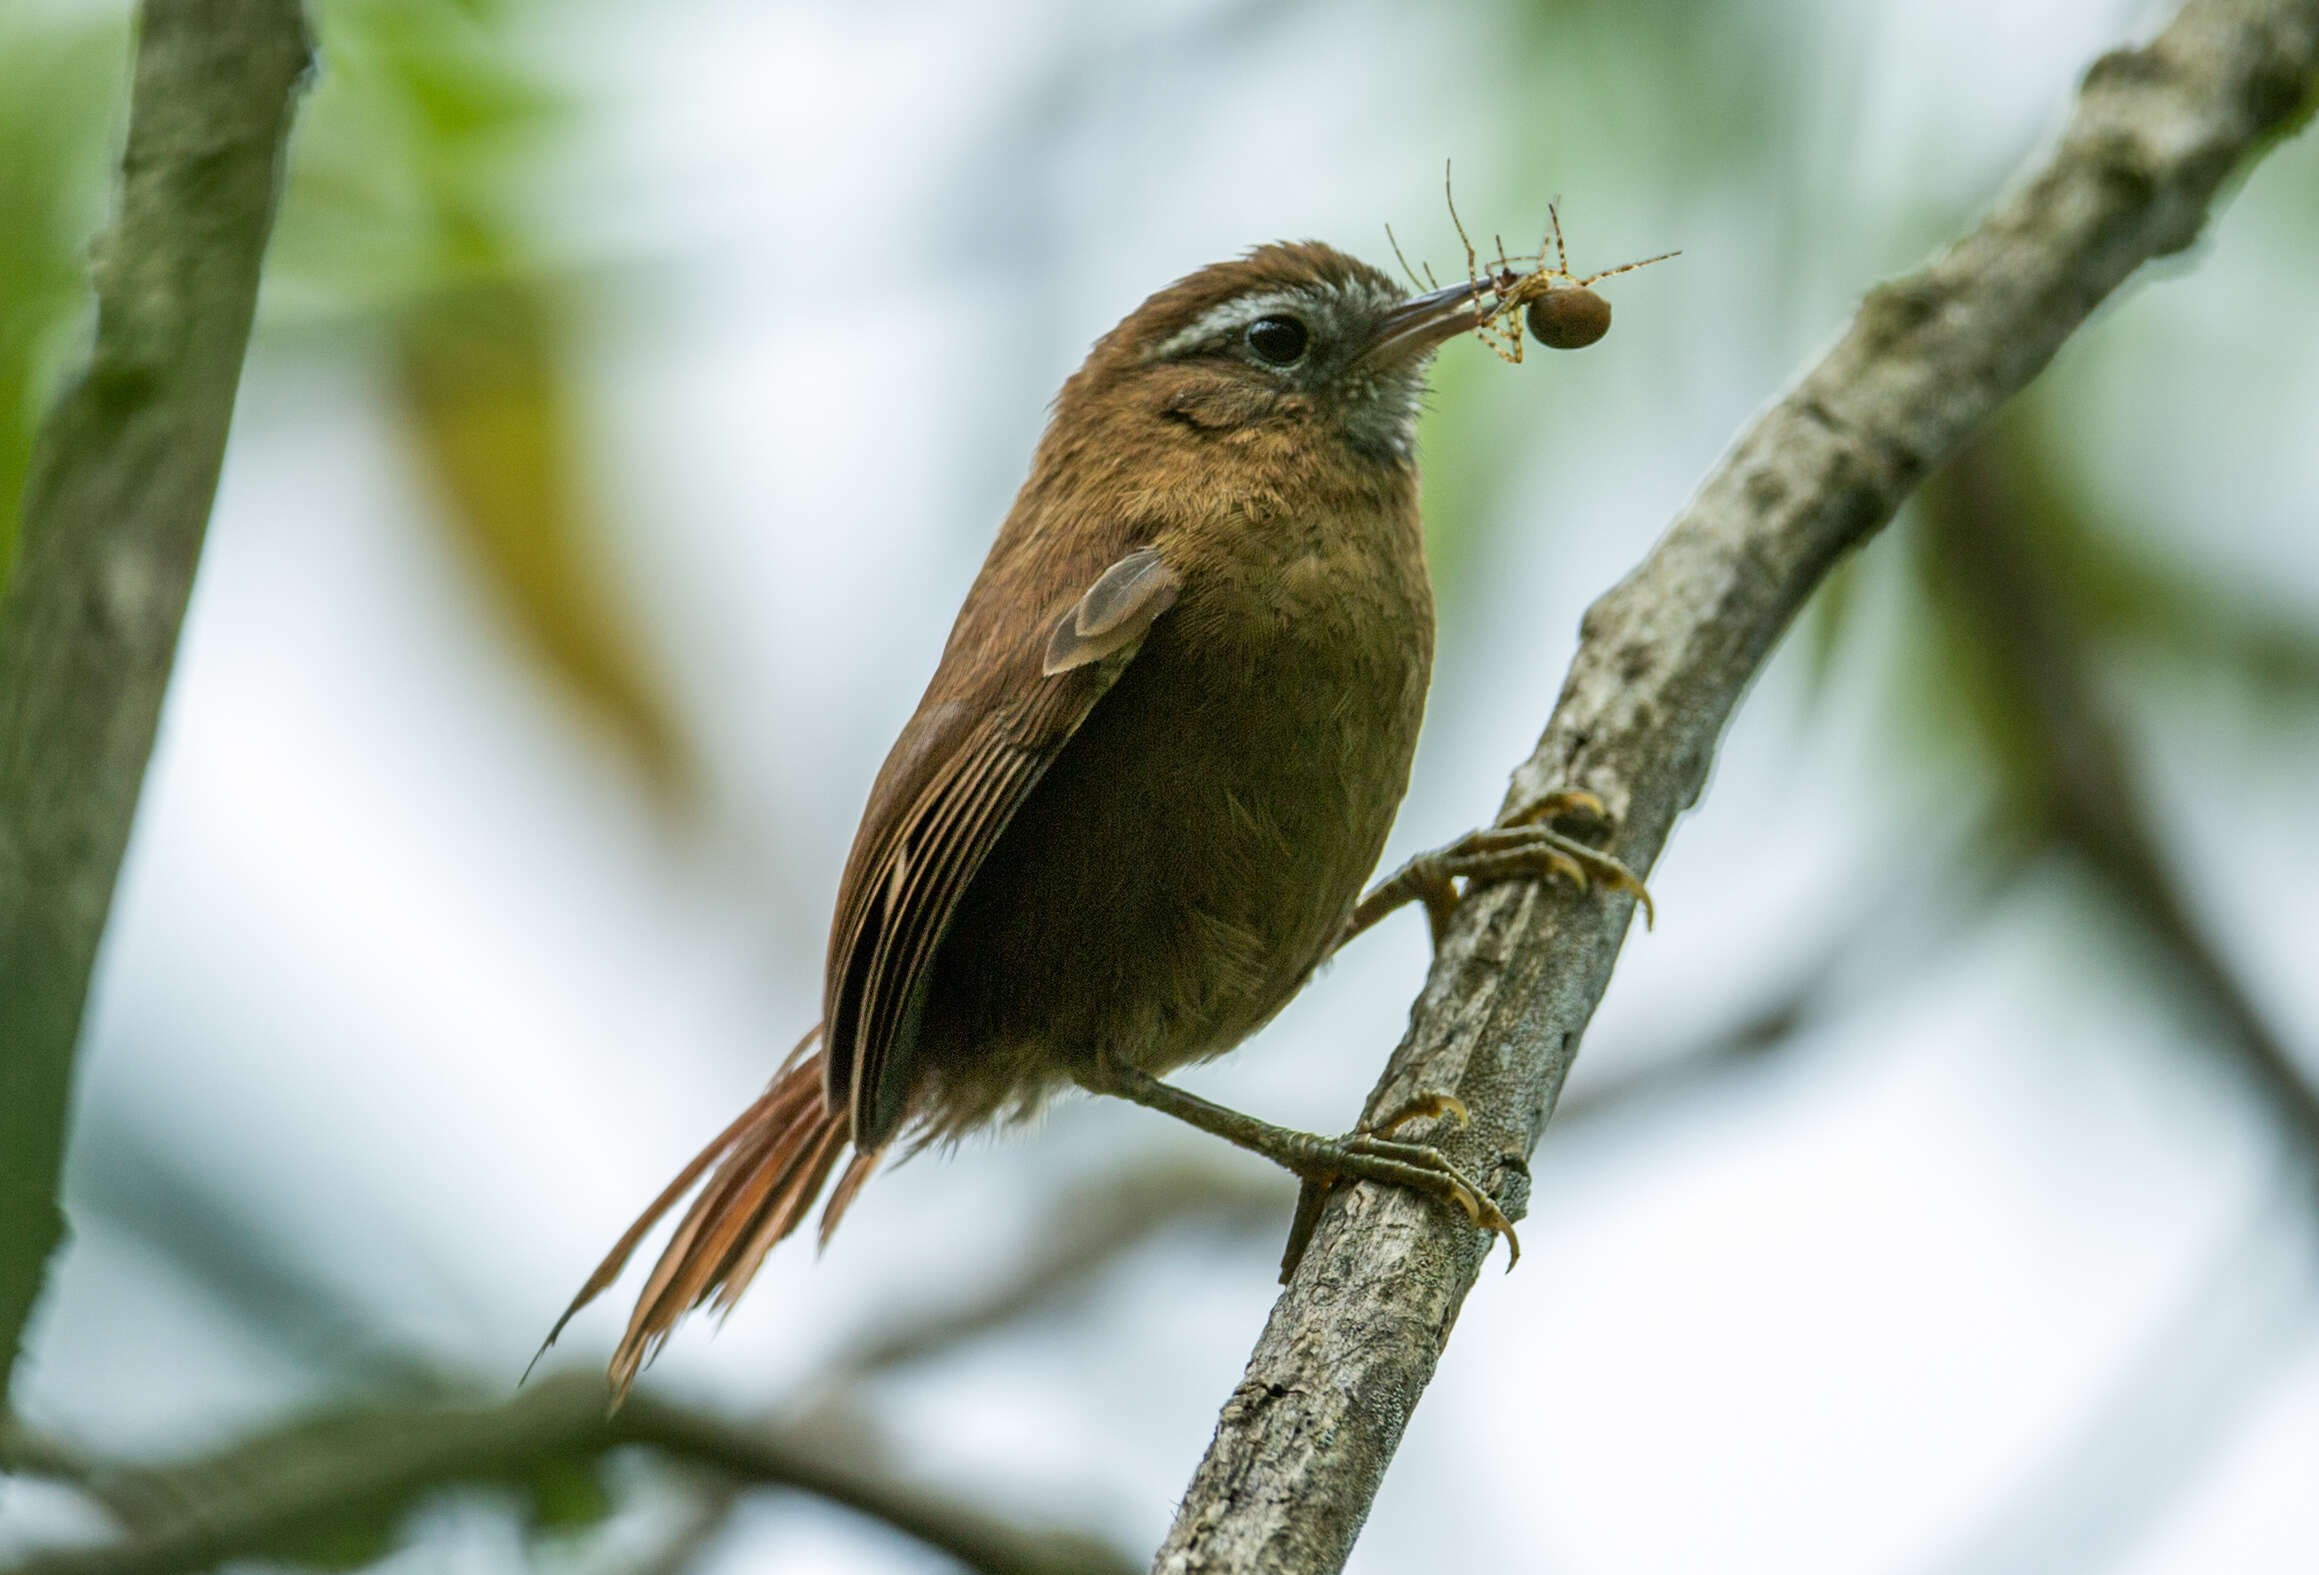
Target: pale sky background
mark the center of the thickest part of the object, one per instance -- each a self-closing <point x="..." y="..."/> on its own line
<point x="1988" y="1273"/>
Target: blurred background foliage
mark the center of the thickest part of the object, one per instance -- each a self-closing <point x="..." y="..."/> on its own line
<point x="52" y="182"/>
<point x="408" y="204"/>
<point x="2040" y="762"/>
<point x="405" y="229"/>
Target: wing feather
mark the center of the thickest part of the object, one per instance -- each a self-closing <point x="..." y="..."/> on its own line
<point x="906" y="881"/>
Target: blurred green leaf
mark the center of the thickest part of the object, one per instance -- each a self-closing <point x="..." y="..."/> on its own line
<point x="413" y="154"/>
<point x="1963" y="690"/>
<point x="565" y="1493"/>
<point x="1962" y="693"/>
<point x="1605" y="65"/>
<point x="1828" y="619"/>
<point x="2133" y="593"/>
<point x="53" y="155"/>
<point x="405" y="210"/>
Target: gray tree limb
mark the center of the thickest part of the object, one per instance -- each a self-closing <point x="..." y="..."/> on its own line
<point x="1304" y="1440"/>
<point x="114" y="514"/>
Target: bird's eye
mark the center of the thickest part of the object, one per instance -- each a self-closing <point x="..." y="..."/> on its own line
<point x="1279" y="340"/>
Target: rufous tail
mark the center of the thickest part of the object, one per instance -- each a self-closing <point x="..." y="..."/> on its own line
<point x="770" y="1165"/>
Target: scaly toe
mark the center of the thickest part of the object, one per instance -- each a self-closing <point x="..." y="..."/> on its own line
<point x="1425" y="1168"/>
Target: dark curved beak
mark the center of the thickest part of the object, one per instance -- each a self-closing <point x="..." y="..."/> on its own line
<point x="1423" y="323"/>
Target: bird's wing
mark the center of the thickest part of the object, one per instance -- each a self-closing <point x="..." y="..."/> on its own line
<point x="973" y="767"/>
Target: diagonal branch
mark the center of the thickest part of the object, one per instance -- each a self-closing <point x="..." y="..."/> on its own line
<point x="2177" y="1400"/>
<point x="1304" y="1441"/>
<point x="113" y="521"/>
<point x="2100" y="808"/>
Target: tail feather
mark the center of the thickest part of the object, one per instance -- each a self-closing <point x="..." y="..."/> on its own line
<point x="857" y="1171"/>
<point x="625" y="1248"/>
<point x="768" y="1167"/>
<point x="698" y="1255"/>
<point x="781" y="1213"/>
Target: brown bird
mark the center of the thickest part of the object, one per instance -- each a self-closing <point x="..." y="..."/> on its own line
<point x="1161" y="752"/>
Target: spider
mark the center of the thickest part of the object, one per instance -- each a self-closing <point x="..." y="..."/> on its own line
<point x="1561" y="310"/>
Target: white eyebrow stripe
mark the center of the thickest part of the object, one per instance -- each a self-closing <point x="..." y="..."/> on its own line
<point x="1238" y="312"/>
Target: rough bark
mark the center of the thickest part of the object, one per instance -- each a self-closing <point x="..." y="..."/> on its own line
<point x="1304" y="1440"/>
<point x="114" y="512"/>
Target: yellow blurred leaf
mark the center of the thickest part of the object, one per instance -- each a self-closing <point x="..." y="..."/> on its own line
<point x="481" y="383"/>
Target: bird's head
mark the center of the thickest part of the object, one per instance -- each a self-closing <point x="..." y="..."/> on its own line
<point x="1295" y="339"/>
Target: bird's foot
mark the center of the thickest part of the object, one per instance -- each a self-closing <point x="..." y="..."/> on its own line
<point x="1368" y="1153"/>
<point x="1376" y="1137"/>
<point x="1530" y="846"/>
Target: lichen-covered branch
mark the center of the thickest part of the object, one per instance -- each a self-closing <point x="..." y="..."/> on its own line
<point x="1304" y="1440"/>
<point x="113" y="518"/>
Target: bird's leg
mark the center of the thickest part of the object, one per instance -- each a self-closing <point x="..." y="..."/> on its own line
<point x="1526" y="848"/>
<point x="1365" y="1154"/>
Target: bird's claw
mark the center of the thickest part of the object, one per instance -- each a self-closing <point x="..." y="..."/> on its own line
<point x="1525" y="846"/>
<point x="1420" y="1107"/>
<point x="1369" y="1153"/>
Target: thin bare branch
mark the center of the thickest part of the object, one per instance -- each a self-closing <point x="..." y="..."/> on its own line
<point x="2178" y="1399"/>
<point x="1074" y="1247"/>
<point x="2095" y="794"/>
<point x="1940" y="894"/>
<point x="684" y="1545"/>
<point x="1304" y="1441"/>
<point x="319" y="1475"/>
